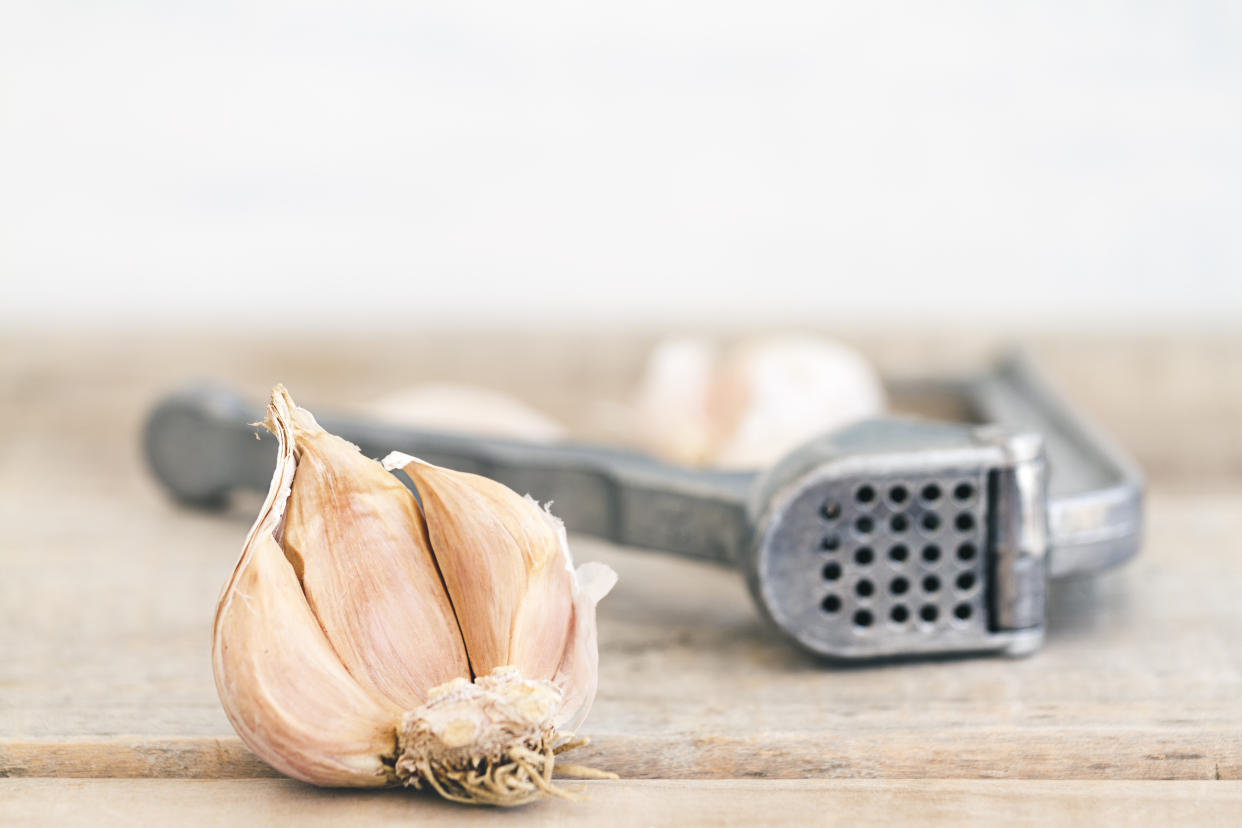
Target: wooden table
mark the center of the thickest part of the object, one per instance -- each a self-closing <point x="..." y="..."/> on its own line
<point x="1133" y="708"/>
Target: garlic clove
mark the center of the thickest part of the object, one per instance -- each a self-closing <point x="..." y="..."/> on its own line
<point x="283" y="688"/>
<point x="359" y="545"/>
<point x="280" y="682"/>
<point x="541" y="626"/>
<point x="505" y="565"/>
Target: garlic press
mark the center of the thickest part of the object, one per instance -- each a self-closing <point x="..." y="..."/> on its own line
<point x="895" y="536"/>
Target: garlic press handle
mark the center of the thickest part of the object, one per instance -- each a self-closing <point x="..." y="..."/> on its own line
<point x="1095" y="491"/>
<point x="201" y="444"/>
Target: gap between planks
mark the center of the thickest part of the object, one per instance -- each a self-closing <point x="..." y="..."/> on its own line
<point x="105" y="802"/>
<point x="1014" y="754"/>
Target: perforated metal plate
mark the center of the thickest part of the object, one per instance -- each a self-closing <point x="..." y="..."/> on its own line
<point x="892" y="564"/>
<point x="903" y="556"/>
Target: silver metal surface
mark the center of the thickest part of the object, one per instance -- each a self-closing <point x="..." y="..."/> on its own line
<point x="1018" y="531"/>
<point x="1025" y="518"/>
<point x="1095" y="491"/>
<point x="916" y="533"/>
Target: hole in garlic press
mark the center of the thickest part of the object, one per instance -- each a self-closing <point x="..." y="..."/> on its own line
<point x="963" y="491"/>
<point x="863" y="618"/>
<point x="964" y="522"/>
<point x="864" y="588"/>
<point x="865" y="494"/>
<point x="898" y="494"/>
<point x="965" y="581"/>
<point x="899" y="613"/>
<point x="832" y="571"/>
<point x="931" y="521"/>
<point x="863" y="555"/>
<point x="864" y="525"/>
<point x="898" y="586"/>
<point x="962" y="611"/>
<point x="931" y="553"/>
<point x="898" y="553"/>
<point x="966" y="552"/>
<point x="931" y="492"/>
<point x="931" y="583"/>
<point x="929" y="613"/>
<point x="831" y="510"/>
<point x="899" y="523"/>
<point x="831" y="542"/>
<point x="831" y="603"/>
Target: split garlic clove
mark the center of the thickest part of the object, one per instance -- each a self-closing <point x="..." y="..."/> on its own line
<point x="358" y="542"/>
<point x="505" y="564"/>
<point x="280" y="681"/>
<point x="294" y="703"/>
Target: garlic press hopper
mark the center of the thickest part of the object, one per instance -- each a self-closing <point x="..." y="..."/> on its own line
<point x="892" y="537"/>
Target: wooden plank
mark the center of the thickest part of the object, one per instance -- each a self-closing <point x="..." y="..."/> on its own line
<point x="734" y="802"/>
<point x="1173" y="399"/>
<point x="970" y="753"/>
<point x="1140" y="677"/>
<point x="107" y="593"/>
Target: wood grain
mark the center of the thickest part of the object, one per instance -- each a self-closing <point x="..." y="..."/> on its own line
<point x="108" y="802"/>
<point x="107" y="589"/>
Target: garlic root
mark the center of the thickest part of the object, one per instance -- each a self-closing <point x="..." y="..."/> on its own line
<point x="489" y="742"/>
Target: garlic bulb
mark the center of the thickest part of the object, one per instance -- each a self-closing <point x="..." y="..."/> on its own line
<point x="466" y="409"/>
<point x="772" y="394"/>
<point x="748" y="407"/>
<point x="362" y="641"/>
<point x="670" y="417"/>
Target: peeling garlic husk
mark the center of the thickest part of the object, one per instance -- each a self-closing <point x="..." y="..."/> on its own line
<point x="361" y="643"/>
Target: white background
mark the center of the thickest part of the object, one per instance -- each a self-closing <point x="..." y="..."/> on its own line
<point x="619" y="164"/>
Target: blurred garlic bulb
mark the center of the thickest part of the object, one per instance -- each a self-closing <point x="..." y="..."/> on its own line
<point x="771" y="395"/>
<point x="343" y="657"/>
<point x="749" y="407"/>
<point x="467" y="409"/>
<point x="670" y="417"/>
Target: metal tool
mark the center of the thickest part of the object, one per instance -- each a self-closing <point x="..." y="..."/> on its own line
<point x="892" y="537"/>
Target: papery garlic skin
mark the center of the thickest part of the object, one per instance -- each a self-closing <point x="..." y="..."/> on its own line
<point x="335" y="636"/>
<point x="578" y="672"/>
